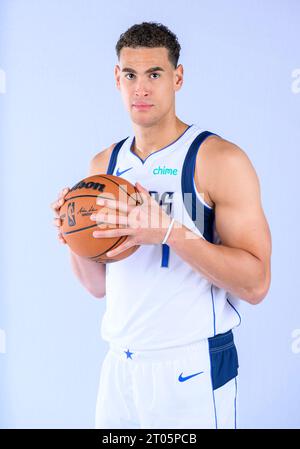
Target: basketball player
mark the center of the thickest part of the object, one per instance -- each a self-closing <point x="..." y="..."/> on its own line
<point x="172" y="305"/>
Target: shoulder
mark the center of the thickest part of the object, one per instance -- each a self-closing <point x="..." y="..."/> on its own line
<point x="99" y="162"/>
<point x="219" y="163"/>
<point x="219" y="151"/>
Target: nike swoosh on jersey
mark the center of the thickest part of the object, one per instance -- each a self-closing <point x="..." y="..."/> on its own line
<point x="119" y="173"/>
<point x="183" y="379"/>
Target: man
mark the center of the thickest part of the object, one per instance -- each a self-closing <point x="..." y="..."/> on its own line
<point x="172" y="305"/>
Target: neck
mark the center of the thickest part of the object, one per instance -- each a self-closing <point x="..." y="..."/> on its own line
<point x="150" y="139"/>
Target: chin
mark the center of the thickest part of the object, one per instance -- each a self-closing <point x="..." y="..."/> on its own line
<point x="143" y="120"/>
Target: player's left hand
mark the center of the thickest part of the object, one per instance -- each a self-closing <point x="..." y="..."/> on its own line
<point x="144" y="224"/>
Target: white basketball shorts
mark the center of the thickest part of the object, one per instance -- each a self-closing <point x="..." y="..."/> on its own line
<point x="185" y="387"/>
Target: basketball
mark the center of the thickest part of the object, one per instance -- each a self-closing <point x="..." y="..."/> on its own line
<point x="80" y="203"/>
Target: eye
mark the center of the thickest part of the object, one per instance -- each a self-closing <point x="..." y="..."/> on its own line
<point x="131" y="75"/>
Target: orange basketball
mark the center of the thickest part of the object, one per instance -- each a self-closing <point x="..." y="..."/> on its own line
<point x="80" y="203"/>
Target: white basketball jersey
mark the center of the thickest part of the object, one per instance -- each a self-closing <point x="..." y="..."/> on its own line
<point x="154" y="299"/>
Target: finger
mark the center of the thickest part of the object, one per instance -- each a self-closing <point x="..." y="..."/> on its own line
<point x="141" y="189"/>
<point x="57" y="222"/>
<point x="114" y="204"/>
<point x="110" y="219"/>
<point x="126" y="245"/>
<point x="61" y="239"/>
<point x="113" y="232"/>
<point x="56" y="205"/>
<point x="60" y="199"/>
<point x="56" y="211"/>
<point x="63" y="192"/>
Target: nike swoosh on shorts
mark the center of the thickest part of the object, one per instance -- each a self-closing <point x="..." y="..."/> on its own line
<point x="183" y="379"/>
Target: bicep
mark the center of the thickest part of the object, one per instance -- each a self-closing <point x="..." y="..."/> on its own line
<point x="240" y="220"/>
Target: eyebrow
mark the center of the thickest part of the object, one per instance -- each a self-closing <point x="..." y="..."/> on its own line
<point x="152" y="69"/>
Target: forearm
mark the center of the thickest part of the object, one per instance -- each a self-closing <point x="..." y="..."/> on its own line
<point x="235" y="270"/>
<point x="91" y="274"/>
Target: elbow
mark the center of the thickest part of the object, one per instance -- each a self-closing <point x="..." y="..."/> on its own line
<point x="262" y="286"/>
<point x="258" y="294"/>
<point x="256" y="297"/>
<point x="99" y="294"/>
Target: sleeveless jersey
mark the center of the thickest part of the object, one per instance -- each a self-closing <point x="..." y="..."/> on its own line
<point x="154" y="299"/>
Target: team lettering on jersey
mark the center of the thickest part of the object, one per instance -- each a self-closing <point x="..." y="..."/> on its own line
<point x="165" y="200"/>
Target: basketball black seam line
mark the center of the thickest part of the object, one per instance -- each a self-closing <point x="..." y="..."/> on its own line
<point x="114" y="182"/>
<point x="108" y="249"/>
<point x="101" y="176"/>
<point x="87" y="227"/>
<point x="92" y="226"/>
<point x="82" y="229"/>
<point x="87" y="196"/>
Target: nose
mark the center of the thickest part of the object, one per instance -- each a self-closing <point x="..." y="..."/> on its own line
<point x="142" y="89"/>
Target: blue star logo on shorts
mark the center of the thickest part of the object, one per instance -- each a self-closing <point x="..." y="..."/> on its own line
<point x="129" y="354"/>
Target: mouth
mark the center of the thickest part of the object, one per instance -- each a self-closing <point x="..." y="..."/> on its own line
<point x="142" y="107"/>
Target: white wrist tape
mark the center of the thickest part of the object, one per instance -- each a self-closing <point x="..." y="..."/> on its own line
<point x="168" y="231"/>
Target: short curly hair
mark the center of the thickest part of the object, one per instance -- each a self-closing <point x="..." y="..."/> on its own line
<point x="150" y="34"/>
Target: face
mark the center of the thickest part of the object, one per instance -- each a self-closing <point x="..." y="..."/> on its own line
<point x="148" y="82"/>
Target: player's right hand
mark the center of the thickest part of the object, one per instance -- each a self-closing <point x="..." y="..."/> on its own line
<point x="56" y="205"/>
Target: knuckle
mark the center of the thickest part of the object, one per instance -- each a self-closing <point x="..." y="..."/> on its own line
<point x="135" y="240"/>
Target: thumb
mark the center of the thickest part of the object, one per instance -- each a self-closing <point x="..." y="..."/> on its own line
<point x="141" y="189"/>
<point x="145" y="195"/>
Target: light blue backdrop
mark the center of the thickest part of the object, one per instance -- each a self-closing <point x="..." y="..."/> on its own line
<point x="58" y="108"/>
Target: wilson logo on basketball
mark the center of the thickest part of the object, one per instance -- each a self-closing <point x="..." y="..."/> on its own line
<point x="89" y="185"/>
<point x="71" y="214"/>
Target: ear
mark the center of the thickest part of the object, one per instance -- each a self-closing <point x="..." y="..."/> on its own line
<point x="178" y="81"/>
<point x="117" y="75"/>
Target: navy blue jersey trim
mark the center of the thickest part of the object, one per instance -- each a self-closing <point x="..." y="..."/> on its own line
<point x="235" y="403"/>
<point x="213" y="307"/>
<point x="113" y="157"/>
<point x="235" y="311"/>
<point x="223" y="359"/>
<point x="201" y="215"/>
<point x="165" y="255"/>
